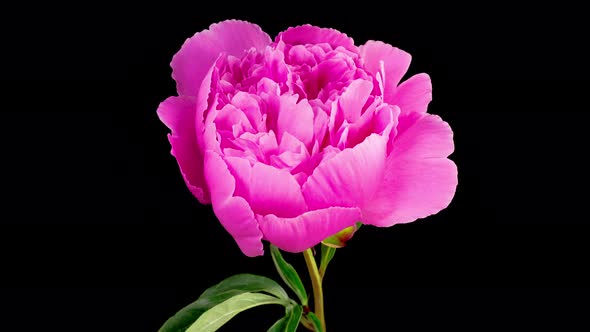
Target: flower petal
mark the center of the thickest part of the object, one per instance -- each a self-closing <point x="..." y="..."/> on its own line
<point x="233" y="212"/>
<point x="419" y="179"/>
<point x="353" y="100"/>
<point x="348" y="179"/>
<point x="275" y="191"/>
<point x="199" y="52"/>
<point x="178" y="114"/>
<point x="296" y="119"/>
<point x="203" y="107"/>
<point x="308" y="229"/>
<point x="390" y="61"/>
<point x="414" y="94"/>
<point x="320" y="125"/>
<point x="249" y="105"/>
<point x="309" y="34"/>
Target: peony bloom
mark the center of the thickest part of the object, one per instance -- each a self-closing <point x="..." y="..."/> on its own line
<point x="294" y="140"/>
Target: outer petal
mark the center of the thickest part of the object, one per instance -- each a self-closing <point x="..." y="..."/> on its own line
<point x="233" y="212"/>
<point x="198" y="53"/>
<point x="390" y="61"/>
<point x="306" y="230"/>
<point x="178" y="114"/>
<point x="206" y="107"/>
<point x="414" y="94"/>
<point x="309" y="34"/>
<point x="419" y="180"/>
<point x="348" y="179"/>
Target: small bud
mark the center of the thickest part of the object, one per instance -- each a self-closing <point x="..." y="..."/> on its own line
<point x="339" y="239"/>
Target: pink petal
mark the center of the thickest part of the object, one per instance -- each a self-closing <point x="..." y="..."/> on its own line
<point x="268" y="144"/>
<point x="292" y="144"/>
<point x="308" y="34"/>
<point x="308" y="229"/>
<point x="335" y="122"/>
<point x="203" y="108"/>
<point x="268" y="190"/>
<point x="296" y="119"/>
<point x="229" y="116"/>
<point x="362" y="127"/>
<point x="198" y="53"/>
<point x="423" y="135"/>
<point x="178" y="114"/>
<point x="385" y="121"/>
<point x="210" y="137"/>
<point x="233" y="212"/>
<point x="419" y="179"/>
<point x="275" y="191"/>
<point x="331" y="71"/>
<point x="247" y="103"/>
<point x="353" y="100"/>
<point x="414" y="94"/>
<point x="390" y="61"/>
<point x="349" y="178"/>
<point x="320" y="125"/>
<point x="301" y="55"/>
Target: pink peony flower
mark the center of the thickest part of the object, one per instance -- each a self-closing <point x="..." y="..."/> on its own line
<point x="294" y="140"/>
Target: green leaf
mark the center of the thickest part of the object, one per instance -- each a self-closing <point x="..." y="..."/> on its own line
<point x="290" y="322"/>
<point x="327" y="255"/>
<point x="288" y="274"/>
<point x="232" y="286"/>
<point x="315" y="321"/>
<point x="214" y="318"/>
<point x="279" y="325"/>
<point x="247" y="283"/>
<point x="293" y="318"/>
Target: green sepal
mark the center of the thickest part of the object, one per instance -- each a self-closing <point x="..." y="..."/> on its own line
<point x="339" y="239"/>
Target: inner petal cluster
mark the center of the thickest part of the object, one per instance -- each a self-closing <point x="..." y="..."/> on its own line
<point x="293" y="106"/>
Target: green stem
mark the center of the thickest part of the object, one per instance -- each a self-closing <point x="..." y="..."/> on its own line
<point x="316" y="283"/>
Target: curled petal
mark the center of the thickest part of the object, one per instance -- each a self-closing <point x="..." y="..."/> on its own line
<point x="203" y="106"/>
<point x="308" y="229"/>
<point x="350" y="178"/>
<point x="354" y="98"/>
<point x="320" y="126"/>
<point x="251" y="109"/>
<point x="267" y="189"/>
<point x="295" y="118"/>
<point x="391" y="62"/>
<point x="414" y="94"/>
<point x="198" y="53"/>
<point x="419" y="179"/>
<point x="178" y="114"/>
<point x="309" y="34"/>
<point x="233" y="212"/>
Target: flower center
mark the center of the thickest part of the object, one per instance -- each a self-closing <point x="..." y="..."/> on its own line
<point x="283" y="106"/>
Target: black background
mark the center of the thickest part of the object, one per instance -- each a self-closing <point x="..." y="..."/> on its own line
<point x="99" y="233"/>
